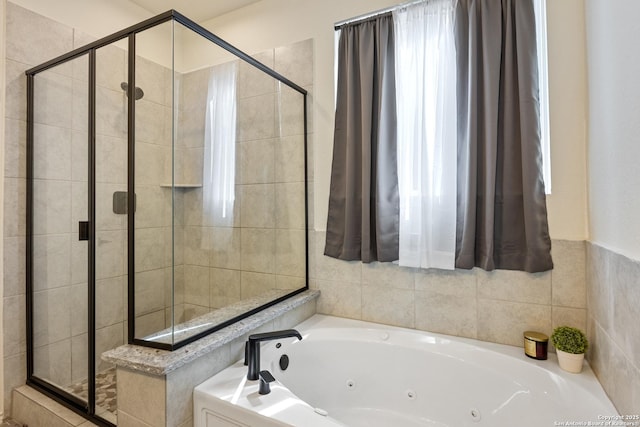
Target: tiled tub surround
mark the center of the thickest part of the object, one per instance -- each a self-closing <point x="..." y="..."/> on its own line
<point x="493" y="306"/>
<point x="613" y="296"/>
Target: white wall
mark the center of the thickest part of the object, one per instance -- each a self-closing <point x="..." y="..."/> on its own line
<point x="613" y="31"/>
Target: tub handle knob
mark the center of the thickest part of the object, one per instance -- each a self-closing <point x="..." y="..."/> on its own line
<point x="265" y="379"/>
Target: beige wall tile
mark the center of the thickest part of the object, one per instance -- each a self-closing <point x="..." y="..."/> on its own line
<point x="504" y="321"/>
<point x="384" y="274"/>
<point x="289" y="112"/>
<point x="53" y="362"/>
<point x="196" y="285"/>
<point x="599" y="289"/>
<point x="389" y="306"/>
<point x="108" y="338"/>
<point x="15" y="90"/>
<point x="15" y="207"/>
<point x="225" y="247"/>
<point x="255" y="284"/>
<point x="258" y="206"/>
<point x="568" y="277"/>
<point x="196" y="246"/>
<point x="14" y="258"/>
<point x="110" y="112"/>
<point x="574" y="317"/>
<point x="15" y="375"/>
<point x="340" y="299"/>
<point x="290" y="205"/>
<point x="446" y="302"/>
<point x="79" y="156"/>
<point x="79" y="358"/>
<point x="446" y="314"/>
<point x="331" y="269"/>
<point x="289" y="159"/>
<point x="51" y="206"/>
<point x="14" y="333"/>
<point x="53" y="99"/>
<point x="180" y="383"/>
<point x="51" y="261"/>
<point x="149" y="246"/>
<point x="15" y="148"/>
<point x="517" y="286"/>
<point x="31" y="413"/>
<point x="126" y="420"/>
<point x="51" y="315"/>
<point x="111" y="159"/>
<point x="109" y="252"/>
<point x="224" y="287"/>
<point x="258" y="249"/>
<point x="256" y="117"/>
<point x="257" y="161"/>
<point x="253" y="81"/>
<point x="626" y="302"/>
<point x="32" y="38"/>
<point x="295" y="62"/>
<point x="51" y="152"/>
<point x="110" y="67"/>
<point x="151" y="78"/>
<point x="143" y="395"/>
<point x="290" y="259"/>
<point x="78" y="295"/>
<point x="149" y="291"/>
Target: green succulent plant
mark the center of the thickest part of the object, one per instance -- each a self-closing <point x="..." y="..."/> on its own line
<point x="570" y="340"/>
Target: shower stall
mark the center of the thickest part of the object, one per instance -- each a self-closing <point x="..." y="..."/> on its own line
<point x="166" y="199"/>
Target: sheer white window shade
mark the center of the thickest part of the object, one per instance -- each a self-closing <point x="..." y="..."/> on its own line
<point x="427" y="142"/>
<point x="218" y="185"/>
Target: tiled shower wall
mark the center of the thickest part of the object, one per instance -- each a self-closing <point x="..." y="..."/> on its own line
<point x="263" y="250"/>
<point x="613" y="295"/>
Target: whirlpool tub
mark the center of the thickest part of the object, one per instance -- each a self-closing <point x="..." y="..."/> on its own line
<point x="352" y="373"/>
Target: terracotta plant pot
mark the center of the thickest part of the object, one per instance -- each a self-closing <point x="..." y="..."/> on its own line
<point x="570" y="362"/>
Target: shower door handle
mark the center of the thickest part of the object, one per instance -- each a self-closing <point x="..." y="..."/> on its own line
<point x="83" y="230"/>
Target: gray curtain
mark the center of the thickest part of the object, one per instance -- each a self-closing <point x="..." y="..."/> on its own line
<point x="363" y="201"/>
<point x="502" y="214"/>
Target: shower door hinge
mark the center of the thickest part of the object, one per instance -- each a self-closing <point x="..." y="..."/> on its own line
<point x="83" y="230"/>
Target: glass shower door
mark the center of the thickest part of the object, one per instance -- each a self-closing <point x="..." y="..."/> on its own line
<point x="59" y="243"/>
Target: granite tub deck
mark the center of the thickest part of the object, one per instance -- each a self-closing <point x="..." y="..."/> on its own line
<point x="155" y="387"/>
<point x="160" y="362"/>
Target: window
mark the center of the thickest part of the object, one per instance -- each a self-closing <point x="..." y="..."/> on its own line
<point x="543" y="82"/>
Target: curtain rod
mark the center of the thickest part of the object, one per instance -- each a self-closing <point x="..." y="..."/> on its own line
<point x="369" y="15"/>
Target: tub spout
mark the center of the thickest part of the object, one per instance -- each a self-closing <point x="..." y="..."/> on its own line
<point x="252" y="353"/>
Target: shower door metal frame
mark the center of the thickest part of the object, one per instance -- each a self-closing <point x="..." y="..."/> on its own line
<point x="87" y="409"/>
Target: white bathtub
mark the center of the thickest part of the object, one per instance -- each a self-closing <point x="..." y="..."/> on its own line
<point x="352" y="373"/>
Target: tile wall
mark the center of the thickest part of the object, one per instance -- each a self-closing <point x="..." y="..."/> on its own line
<point x="263" y="250"/>
<point x="493" y="306"/>
<point x="613" y="297"/>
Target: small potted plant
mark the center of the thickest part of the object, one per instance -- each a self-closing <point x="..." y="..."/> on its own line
<point x="570" y="344"/>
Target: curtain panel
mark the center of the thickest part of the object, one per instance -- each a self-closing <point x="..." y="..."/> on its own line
<point x="364" y="203"/>
<point x="502" y="213"/>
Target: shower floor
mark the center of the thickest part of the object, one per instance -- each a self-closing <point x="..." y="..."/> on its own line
<point x="106" y="396"/>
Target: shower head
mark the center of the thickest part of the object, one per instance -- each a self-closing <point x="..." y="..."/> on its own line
<point x="139" y="92"/>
